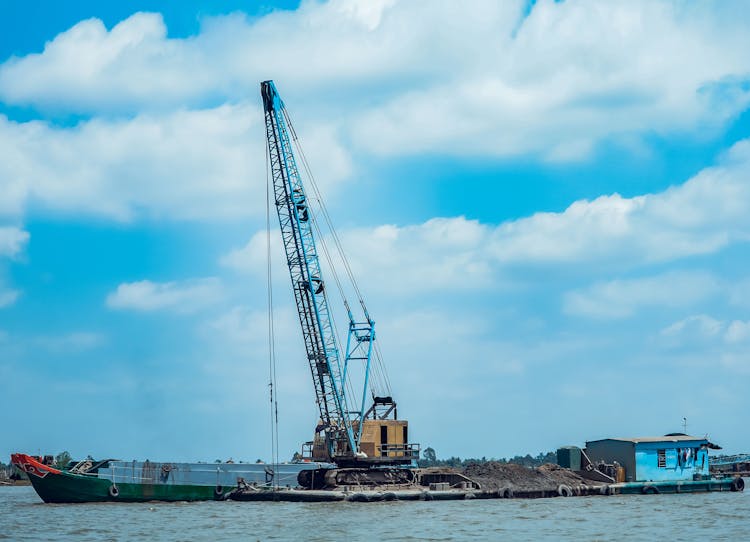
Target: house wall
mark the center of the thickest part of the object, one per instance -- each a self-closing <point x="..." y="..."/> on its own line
<point x="610" y="451"/>
<point x="675" y="466"/>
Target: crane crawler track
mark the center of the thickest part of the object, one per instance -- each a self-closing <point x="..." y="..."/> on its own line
<point x="335" y="478"/>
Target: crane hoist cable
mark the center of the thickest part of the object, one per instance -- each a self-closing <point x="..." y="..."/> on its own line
<point x="273" y="390"/>
<point x="313" y="308"/>
<point x="326" y="216"/>
<point x="334" y="368"/>
<point x="379" y="370"/>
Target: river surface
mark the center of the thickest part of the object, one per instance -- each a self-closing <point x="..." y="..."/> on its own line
<point x="703" y="516"/>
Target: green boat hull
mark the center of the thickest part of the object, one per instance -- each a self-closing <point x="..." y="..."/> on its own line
<point x="74" y="488"/>
<point x="112" y="480"/>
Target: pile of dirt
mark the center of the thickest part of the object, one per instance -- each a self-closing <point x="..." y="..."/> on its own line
<point x="493" y="476"/>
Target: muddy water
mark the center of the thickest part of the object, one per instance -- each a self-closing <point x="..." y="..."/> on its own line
<point x="705" y="516"/>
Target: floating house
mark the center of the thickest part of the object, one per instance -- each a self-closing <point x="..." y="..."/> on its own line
<point x="672" y="457"/>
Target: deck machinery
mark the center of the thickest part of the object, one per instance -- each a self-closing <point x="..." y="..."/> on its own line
<point x="368" y="444"/>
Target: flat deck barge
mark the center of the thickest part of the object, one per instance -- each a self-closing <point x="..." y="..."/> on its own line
<point x="257" y="494"/>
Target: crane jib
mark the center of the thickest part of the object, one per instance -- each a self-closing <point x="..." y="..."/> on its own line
<point x="307" y="281"/>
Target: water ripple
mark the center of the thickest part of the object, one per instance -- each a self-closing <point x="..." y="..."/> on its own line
<point x="702" y="515"/>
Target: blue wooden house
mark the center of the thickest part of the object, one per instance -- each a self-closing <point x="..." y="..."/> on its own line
<point x="669" y="458"/>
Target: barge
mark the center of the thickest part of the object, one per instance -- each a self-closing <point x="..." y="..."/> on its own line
<point x="141" y="481"/>
<point x="445" y="492"/>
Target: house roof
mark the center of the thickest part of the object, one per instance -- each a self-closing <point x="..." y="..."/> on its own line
<point x="667" y="438"/>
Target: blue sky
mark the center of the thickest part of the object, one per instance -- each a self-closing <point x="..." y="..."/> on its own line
<point x="549" y="220"/>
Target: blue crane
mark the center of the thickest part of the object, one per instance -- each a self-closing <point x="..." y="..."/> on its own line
<point x="343" y="426"/>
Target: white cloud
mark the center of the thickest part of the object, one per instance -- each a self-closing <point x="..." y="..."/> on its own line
<point x="707" y="329"/>
<point x="738" y="332"/>
<point x="243" y="325"/>
<point x="556" y="82"/>
<point x="179" y="132"/>
<point x="702" y="216"/>
<point x="573" y="74"/>
<point x="737" y="362"/>
<point x="8" y="297"/>
<point x="76" y="341"/>
<point x="319" y="47"/>
<point x="12" y="240"/>
<point x="89" y="65"/>
<point x="622" y="298"/>
<point x="699" y="325"/>
<point x="253" y="256"/>
<point x="740" y="293"/>
<point x="442" y="252"/>
<point x="187" y="164"/>
<point x="181" y="297"/>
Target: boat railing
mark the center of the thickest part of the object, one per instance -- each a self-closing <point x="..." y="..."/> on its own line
<point x="268" y="474"/>
<point x="399" y="450"/>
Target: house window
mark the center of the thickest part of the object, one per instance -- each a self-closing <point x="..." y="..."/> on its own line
<point x="661" y="459"/>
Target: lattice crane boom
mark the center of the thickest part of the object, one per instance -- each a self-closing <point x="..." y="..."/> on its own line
<point x="361" y="437"/>
<point x="307" y="281"/>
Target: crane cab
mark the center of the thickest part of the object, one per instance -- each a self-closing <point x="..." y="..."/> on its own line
<point x="384" y="439"/>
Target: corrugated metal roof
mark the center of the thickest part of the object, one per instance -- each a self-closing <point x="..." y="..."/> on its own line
<point x="669" y="438"/>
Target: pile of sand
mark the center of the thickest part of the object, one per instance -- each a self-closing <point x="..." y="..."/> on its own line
<point x="493" y="476"/>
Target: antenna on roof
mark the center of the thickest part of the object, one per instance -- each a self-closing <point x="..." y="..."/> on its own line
<point x="684" y="425"/>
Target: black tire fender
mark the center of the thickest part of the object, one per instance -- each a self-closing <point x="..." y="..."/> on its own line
<point x="738" y="484"/>
<point x="219" y="491"/>
<point x="113" y="491"/>
<point x="649" y="489"/>
<point x="564" y="490"/>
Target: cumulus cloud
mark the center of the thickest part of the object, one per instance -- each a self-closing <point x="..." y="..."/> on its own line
<point x="702" y="216"/>
<point x="76" y="341"/>
<point x="439" y="253"/>
<point x="622" y="298"/>
<point x="253" y="256"/>
<point x="12" y="240"/>
<point x="185" y="164"/>
<point x="320" y="46"/>
<point x="706" y="329"/>
<point x="177" y="128"/>
<point x="738" y="332"/>
<point x="740" y="293"/>
<point x="700" y="325"/>
<point x="181" y="297"/>
<point x="7" y="296"/>
<point x="555" y="81"/>
<point x="90" y="65"/>
<point x="570" y="75"/>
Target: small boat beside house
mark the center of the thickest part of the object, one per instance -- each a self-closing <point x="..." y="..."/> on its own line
<point x="142" y="481"/>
